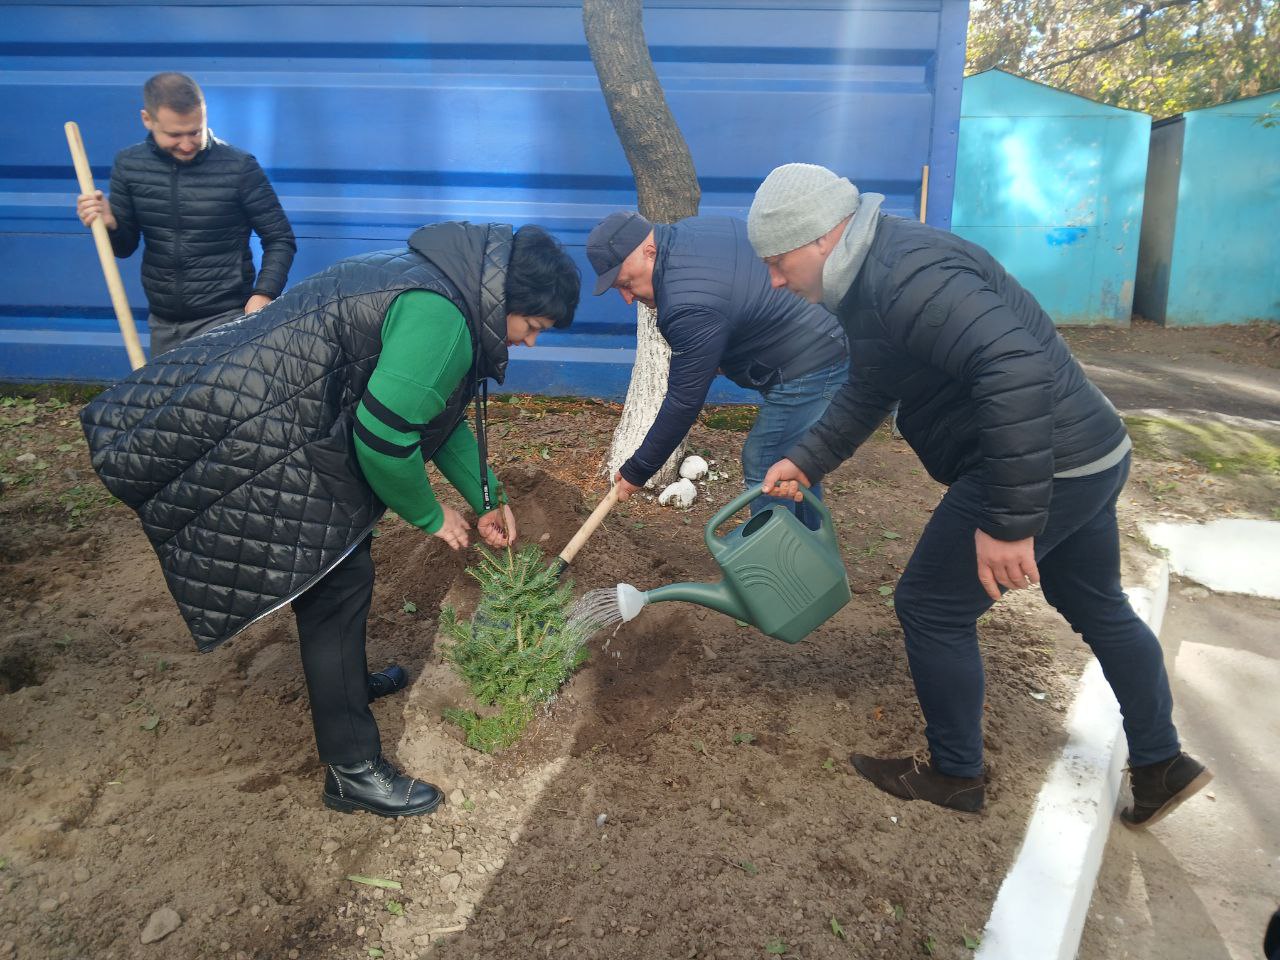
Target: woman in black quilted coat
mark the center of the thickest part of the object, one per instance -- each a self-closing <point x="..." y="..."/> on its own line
<point x="260" y="455"/>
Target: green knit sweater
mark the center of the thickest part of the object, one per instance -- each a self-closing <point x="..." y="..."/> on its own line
<point x="426" y="351"/>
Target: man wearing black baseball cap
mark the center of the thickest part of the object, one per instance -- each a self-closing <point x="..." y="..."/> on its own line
<point x="718" y="311"/>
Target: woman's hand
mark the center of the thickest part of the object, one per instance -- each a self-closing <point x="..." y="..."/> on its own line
<point x="454" y="531"/>
<point x="498" y="527"/>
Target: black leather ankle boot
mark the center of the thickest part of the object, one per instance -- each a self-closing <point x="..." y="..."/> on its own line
<point x="378" y="787"/>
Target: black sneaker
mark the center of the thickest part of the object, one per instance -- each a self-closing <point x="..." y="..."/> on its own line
<point x="378" y="787"/>
<point x="386" y="681"/>
<point x="1158" y="788"/>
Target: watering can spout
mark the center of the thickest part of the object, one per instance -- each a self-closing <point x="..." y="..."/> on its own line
<point x="717" y="596"/>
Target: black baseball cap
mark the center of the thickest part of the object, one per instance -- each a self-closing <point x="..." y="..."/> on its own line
<point x="611" y="241"/>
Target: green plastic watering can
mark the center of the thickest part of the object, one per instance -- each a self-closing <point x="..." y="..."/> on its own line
<point x="779" y="575"/>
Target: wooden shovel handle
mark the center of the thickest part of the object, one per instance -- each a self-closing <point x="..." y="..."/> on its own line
<point x="587" y="529"/>
<point x="106" y="256"/>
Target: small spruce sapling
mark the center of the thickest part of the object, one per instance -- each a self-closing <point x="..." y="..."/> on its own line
<point x="519" y="647"/>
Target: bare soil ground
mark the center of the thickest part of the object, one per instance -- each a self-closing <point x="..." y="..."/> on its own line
<point x="687" y="795"/>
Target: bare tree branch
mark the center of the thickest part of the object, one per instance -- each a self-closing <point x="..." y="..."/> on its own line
<point x="1144" y="14"/>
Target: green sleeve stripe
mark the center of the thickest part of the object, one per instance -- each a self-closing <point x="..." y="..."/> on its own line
<point x="388" y="416"/>
<point x="384" y="447"/>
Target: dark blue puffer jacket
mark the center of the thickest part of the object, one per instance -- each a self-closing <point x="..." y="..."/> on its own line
<point x="717" y="310"/>
<point x="985" y="381"/>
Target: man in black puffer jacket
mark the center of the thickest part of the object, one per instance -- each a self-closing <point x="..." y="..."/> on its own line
<point x="1034" y="456"/>
<point x="260" y="455"/>
<point x="717" y="311"/>
<point x="194" y="200"/>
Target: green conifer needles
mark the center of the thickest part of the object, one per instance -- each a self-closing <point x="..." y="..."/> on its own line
<point x="519" y="647"/>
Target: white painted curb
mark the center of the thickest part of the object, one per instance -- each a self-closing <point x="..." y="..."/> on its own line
<point x="1041" y="906"/>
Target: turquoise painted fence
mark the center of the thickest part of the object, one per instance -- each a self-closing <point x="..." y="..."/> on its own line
<point x="1052" y="185"/>
<point x="1209" y="250"/>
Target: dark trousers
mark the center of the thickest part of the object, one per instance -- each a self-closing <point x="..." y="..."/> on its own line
<point x="165" y="335"/>
<point x="331" y="631"/>
<point x="938" y="601"/>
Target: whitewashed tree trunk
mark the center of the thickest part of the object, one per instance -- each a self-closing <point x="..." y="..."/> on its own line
<point x="645" y="394"/>
<point x="667" y="190"/>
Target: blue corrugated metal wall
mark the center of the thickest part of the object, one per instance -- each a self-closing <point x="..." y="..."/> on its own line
<point x="1052" y="185"/>
<point x="372" y="119"/>
<point x="1219" y="170"/>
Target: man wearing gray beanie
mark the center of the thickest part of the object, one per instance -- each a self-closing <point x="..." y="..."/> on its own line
<point x="1033" y="455"/>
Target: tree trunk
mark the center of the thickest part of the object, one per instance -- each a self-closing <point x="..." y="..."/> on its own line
<point x="666" y="184"/>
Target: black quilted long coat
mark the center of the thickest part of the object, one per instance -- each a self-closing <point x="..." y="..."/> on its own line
<point x="235" y="449"/>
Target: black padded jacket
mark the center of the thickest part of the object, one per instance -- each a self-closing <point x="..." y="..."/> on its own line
<point x="195" y="219"/>
<point x="985" y="382"/>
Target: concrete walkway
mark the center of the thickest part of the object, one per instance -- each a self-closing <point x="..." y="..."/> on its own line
<point x="1202" y="884"/>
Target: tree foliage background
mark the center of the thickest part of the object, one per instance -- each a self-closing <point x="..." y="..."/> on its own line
<point x="1161" y="57"/>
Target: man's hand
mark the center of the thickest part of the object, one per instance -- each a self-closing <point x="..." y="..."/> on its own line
<point x="91" y="206"/>
<point x="454" y="531"/>
<point x="625" y="487"/>
<point x="1009" y="563"/>
<point x="498" y="527"/>
<point x="256" y="303"/>
<point x="783" y="480"/>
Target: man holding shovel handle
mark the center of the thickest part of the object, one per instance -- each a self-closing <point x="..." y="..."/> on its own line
<point x="192" y="200"/>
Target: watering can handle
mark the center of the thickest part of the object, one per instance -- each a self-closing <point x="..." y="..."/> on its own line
<point x="715" y="544"/>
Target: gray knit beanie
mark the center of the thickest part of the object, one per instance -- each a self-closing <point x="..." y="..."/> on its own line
<point x="796" y="204"/>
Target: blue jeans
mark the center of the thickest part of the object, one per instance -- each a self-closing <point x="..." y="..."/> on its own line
<point x="938" y="601"/>
<point x="789" y="410"/>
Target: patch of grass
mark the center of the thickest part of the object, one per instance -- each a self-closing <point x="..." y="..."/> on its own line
<point x="82" y="502"/>
<point x="738" y="417"/>
<point x="66" y="394"/>
<point x="1218" y="447"/>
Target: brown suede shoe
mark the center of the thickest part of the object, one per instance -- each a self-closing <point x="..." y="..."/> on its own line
<point x="914" y="779"/>
<point x="1158" y="788"/>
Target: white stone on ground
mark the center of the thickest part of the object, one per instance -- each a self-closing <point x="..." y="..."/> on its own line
<point x="682" y="493"/>
<point x="694" y="468"/>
